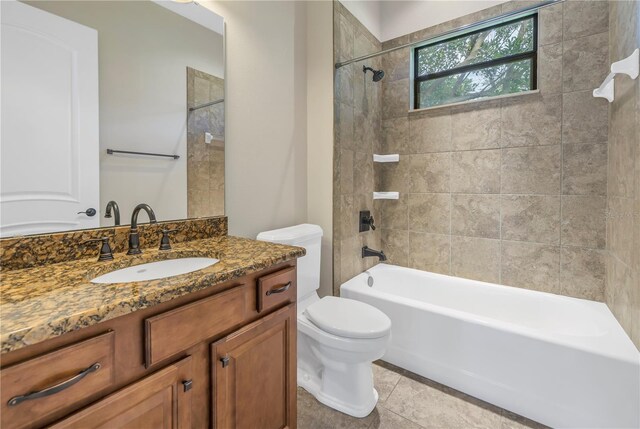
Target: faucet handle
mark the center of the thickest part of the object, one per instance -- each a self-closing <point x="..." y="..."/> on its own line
<point x="164" y="241"/>
<point x="105" y="250"/>
<point x="371" y="225"/>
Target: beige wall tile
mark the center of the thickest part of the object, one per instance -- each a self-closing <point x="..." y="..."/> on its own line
<point x="475" y="215"/>
<point x="394" y="213"/>
<point x="429" y="213"/>
<point x="584" y="62"/>
<point x="532" y="121"/>
<point x="395" y="136"/>
<point x="345" y="39"/>
<point x="475" y="258"/>
<point x="365" y="131"/>
<point x="583" y="18"/>
<point x="429" y="252"/>
<point x="363" y="172"/>
<point x="530" y="265"/>
<point x="550" y="25"/>
<point x="396" y="98"/>
<point x="621" y="292"/>
<point x="430" y="133"/>
<point x="531" y="170"/>
<point x="429" y="172"/>
<point x="396" y="64"/>
<point x="550" y="69"/>
<point x="582" y="273"/>
<point x="476" y="128"/>
<point x="584" y="118"/>
<point x="346" y="171"/>
<point x="583" y="221"/>
<point x="350" y="252"/>
<point x="344" y="126"/>
<point x="584" y="169"/>
<point x="476" y="171"/>
<point x="624" y="138"/>
<point x="621" y="222"/>
<point x="395" y="244"/>
<point x="531" y="218"/>
<point x="395" y="175"/>
<point x="344" y="81"/>
<point x="348" y="217"/>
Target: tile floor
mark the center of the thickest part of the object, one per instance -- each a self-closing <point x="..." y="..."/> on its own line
<point x="408" y="401"/>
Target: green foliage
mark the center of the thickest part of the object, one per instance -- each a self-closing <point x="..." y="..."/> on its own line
<point x="491" y="44"/>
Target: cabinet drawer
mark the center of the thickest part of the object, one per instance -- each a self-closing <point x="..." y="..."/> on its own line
<point x="277" y="288"/>
<point x="57" y="381"/>
<point x="175" y="331"/>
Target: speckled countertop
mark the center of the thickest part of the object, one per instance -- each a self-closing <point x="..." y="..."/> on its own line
<point x="43" y="302"/>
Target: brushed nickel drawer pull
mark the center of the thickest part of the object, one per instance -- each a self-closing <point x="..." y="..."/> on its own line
<point x="280" y="289"/>
<point x="54" y="389"/>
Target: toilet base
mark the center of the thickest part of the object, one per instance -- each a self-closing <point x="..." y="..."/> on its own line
<point x="363" y="408"/>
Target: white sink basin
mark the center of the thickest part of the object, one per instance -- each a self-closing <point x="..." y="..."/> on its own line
<point x="156" y="270"/>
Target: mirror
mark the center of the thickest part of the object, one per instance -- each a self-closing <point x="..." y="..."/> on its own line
<point x="109" y="101"/>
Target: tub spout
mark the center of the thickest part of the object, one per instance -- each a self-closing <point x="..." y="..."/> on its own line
<point x="370" y="252"/>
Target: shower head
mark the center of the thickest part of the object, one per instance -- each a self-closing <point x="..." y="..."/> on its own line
<point x="377" y="74"/>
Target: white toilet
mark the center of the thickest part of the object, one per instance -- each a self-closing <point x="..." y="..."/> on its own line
<point x="338" y="338"/>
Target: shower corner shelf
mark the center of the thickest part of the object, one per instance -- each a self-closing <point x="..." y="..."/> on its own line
<point x="386" y="195"/>
<point x="394" y="157"/>
<point x="628" y="66"/>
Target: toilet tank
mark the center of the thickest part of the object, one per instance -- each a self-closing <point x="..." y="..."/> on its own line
<point x="307" y="236"/>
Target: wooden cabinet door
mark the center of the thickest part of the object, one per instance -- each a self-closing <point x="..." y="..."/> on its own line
<point x="254" y="374"/>
<point x="162" y="400"/>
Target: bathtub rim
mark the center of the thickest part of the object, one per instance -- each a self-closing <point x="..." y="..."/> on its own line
<point x="625" y="350"/>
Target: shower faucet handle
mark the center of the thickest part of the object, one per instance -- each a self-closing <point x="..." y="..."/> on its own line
<point x="366" y="221"/>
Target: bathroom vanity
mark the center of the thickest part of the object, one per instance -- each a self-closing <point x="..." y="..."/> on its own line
<point x="211" y="348"/>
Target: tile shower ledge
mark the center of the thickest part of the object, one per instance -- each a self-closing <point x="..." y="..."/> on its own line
<point x="475" y="101"/>
<point x="47" y="301"/>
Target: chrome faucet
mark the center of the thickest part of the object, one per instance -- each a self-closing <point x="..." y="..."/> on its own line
<point x="134" y="238"/>
<point x="370" y="252"/>
<point x="116" y="212"/>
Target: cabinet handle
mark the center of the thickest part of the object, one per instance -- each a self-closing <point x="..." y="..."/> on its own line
<point x="280" y="289"/>
<point x="225" y="361"/>
<point x="54" y="389"/>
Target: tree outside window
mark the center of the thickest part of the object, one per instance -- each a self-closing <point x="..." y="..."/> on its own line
<point x="484" y="63"/>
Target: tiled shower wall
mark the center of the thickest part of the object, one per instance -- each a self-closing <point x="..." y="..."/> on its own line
<point x="622" y="292"/>
<point x="510" y="191"/>
<point x="357" y="132"/>
<point x="205" y="161"/>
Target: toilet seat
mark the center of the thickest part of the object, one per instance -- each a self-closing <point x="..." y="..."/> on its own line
<point x="348" y="318"/>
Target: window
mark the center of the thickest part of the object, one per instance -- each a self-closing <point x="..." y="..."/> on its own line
<point x="484" y="63"/>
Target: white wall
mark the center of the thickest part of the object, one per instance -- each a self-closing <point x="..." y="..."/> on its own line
<point x="144" y="50"/>
<point x="404" y="17"/>
<point x="389" y="19"/>
<point x="320" y="129"/>
<point x="266" y="155"/>
<point x="369" y="13"/>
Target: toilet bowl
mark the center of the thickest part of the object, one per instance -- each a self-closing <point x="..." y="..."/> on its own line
<point x="338" y="338"/>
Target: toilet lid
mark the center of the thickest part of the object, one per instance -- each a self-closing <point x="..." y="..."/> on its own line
<point x="348" y="318"/>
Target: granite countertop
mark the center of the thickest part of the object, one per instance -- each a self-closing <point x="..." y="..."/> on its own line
<point x="47" y="301"/>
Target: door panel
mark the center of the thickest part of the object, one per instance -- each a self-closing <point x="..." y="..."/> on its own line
<point x="158" y="401"/>
<point x="49" y="156"/>
<point x="254" y="374"/>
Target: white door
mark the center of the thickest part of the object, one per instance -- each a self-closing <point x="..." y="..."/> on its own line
<point x="49" y="151"/>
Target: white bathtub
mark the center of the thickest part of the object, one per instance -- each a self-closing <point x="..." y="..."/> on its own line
<point x="561" y="361"/>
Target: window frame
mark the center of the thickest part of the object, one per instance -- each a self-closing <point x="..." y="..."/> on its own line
<point x="532" y="55"/>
